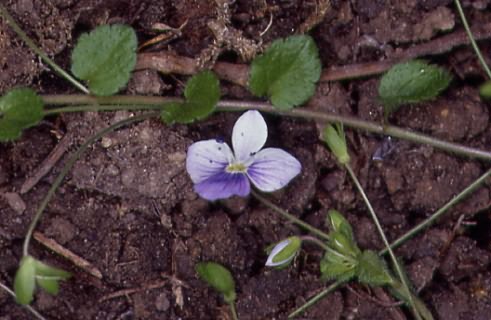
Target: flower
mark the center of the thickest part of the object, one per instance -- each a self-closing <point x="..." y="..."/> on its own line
<point x="218" y="172"/>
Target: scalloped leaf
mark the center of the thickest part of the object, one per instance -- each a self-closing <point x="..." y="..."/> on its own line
<point x="105" y="58"/>
<point x="202" y="94"/>
<point x="287" y="71"/>
<point x="19" y="109"/>
<point x="372" y="269"/>
<point x="411" y="82"/>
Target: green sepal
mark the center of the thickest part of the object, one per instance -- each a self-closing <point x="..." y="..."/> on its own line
<point x="19" y="109"/>
<point x="372" y="269"/>
<point x="202" y="93"/>
<point x="50" y="285"/>
<point x="219" y="278"/>
<point x="24" y="281"/>
<point x="287" y="71"/>
<point x="335" y="266"/>
<point x="485" y="90"/>
<point x="45" y="270"/>
<point x="336" y="140"/>
<point x="343" y="244"/>
<point x="339" y="224"/>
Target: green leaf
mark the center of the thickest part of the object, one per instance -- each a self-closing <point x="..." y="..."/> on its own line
<point x="337" y="267"/>
<point x="50" y="285"/>
<point x="24" y="282"/>
<point x="202" y="94"/>
<point x="19" y="109"/>
<point x="45" y="270"/>
<point x="411" y="82"/>
<point x="219" y="278"/>
<point x="372" y="269"/>
<point x="105" y="58"/>
<point x="287" y="71"/>
<point x="485" y="90"/>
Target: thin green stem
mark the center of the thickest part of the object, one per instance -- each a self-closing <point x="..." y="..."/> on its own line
<point x="100" y="108"/>
<point x="69" y="165"/>
<point x="432" y="219"/>
<point x="411" y="233"/>
<point x="289" y="216"/>
<point x="316" y="241"/>
<point x="384" y="239"/>
<point x="471" y="38"/>
<point x="28" y="307"/>
<point x="39" y="52"/>
<point x="230" y="105"/>
<point x="233" y="311"/>
<point x="315" y="299"/>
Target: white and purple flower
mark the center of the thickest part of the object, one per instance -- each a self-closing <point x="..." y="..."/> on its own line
<point x="218" y="172"/>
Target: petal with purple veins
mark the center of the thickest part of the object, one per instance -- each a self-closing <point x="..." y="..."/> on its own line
<point x="249" y="135"/>
<point x="207" y="158"/>
<point x="223" y="185"/>
<point x="273" y="169"/>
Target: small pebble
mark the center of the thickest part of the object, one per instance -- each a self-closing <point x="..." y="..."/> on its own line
<point x="15" y="202"/>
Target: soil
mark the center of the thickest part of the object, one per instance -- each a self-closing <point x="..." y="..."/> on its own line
<point x="128" y="206"/>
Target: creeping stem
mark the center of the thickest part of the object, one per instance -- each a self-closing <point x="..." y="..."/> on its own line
<point x="79" y="103"/>
<point x="69" y="165"/>
<point x="33" y="311"/>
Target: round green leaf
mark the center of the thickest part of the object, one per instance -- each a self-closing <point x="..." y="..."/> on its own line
<point x="217" y="277"/>
<point x="105" y="58"/>
<point x="24" y="282"/>
<point x="202" y="94"/>
<point x="287" y="71"/>
<point x="19" y="109"/>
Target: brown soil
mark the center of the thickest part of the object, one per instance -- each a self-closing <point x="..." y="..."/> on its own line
<point x="128" y="206"/>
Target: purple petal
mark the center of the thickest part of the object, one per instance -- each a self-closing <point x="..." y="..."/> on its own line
<point x="223" y="185"/>
<point x="207" y="158"/>
<point x="273" y="169"/>
<point x="249" y="135"/>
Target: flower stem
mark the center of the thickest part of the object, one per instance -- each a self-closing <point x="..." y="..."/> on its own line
<point x="69" y="165"/>
<point x="315" y="241"/>
<point x="471" y="38"/>
<point x="101" y="103"/>
<point x="33" y="311"/>
<point x="464" y="193"/>
<point x="315" y="299"/>
<point x="39" y="52"/>
<point x="384" y="239"/>
<point x="430" y="220"/>
<point x="289" y="216"/>
<point x="233" y="311"/>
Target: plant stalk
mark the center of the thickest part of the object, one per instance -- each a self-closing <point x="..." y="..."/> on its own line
<point x="384" y="239"/>
<point x="67" y="168"/>
<point x="289" y="216"/>
<point x="471" y="38"/>
<point x="39" y="52"/>
<point x="148" y="102"/>
<point x="411" y="233"/>
<point x="233" y="311"/>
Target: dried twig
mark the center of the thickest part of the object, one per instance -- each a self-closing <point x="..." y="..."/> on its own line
<point x="55" y="155"/>
<point x="67" y="254"/>
<point x="167" y="63"/>
<point x="126" y="292"/>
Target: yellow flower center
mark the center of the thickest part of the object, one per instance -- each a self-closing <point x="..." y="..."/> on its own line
<point x="236" y="168"/>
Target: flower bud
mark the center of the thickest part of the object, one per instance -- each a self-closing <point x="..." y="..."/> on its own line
<point x="335" y="139"/>
<point x="284" y="252"/>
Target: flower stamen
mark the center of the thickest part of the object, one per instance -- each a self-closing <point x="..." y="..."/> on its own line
<point x="236" y="168"/>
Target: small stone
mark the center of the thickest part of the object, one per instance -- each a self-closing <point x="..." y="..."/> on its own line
<point x="62" y="230"/>
<point x="15" y="202"/>
<point x="106" y="142"/>
<point x="162" y="303"/>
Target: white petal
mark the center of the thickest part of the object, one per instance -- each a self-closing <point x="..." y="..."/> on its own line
<point x="249" y="135"/>
<point x="273" y="169"/>
<point x="207" y="158"/>
<point x="277" y="249"/>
